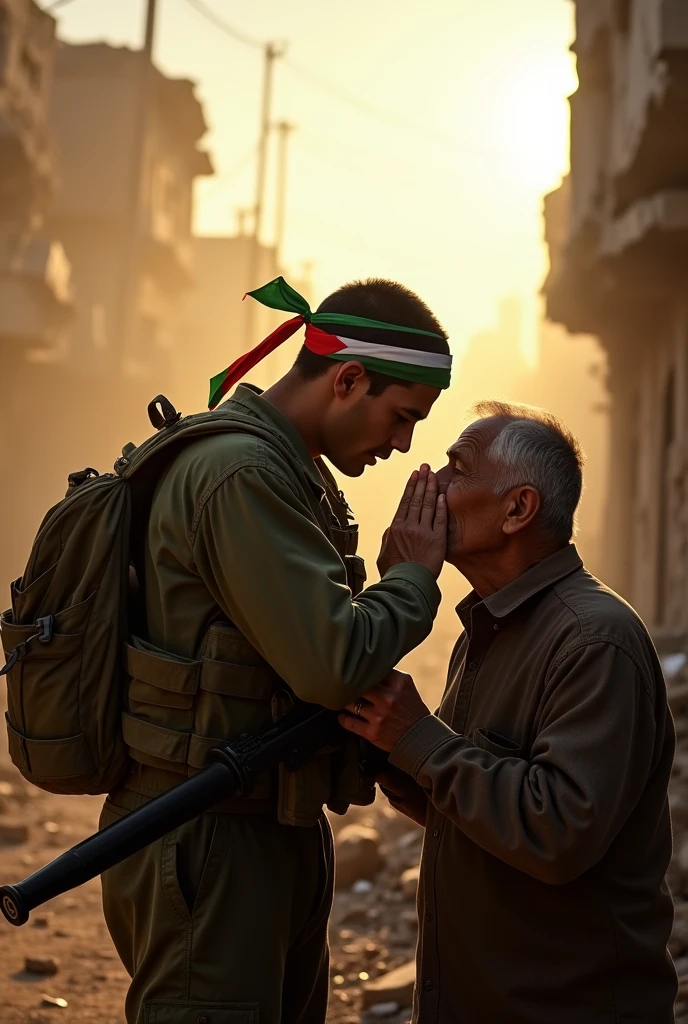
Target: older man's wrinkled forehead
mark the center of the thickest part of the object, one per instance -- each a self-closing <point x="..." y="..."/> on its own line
<point x="475" y="440"/>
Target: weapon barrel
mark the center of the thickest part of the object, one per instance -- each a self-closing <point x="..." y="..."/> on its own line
<point x="231" y="773"/>
<point x="116" y="842"/>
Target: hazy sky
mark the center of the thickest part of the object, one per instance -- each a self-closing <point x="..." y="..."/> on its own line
<point x="444" y="193"/>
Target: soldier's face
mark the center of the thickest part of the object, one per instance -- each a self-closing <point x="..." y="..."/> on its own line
<point x="364" y="428"/>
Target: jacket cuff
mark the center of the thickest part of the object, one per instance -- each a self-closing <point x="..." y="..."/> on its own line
<point x="418" y="576"/>
<point x="419" y="743"/>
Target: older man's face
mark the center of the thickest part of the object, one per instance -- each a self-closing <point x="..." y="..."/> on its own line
<point x="476" y="516"/>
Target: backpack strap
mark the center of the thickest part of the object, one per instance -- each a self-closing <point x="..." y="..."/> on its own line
<point x="162" y="413"/>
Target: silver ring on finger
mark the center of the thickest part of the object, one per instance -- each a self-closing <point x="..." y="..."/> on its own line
<point x="357" y="707"/>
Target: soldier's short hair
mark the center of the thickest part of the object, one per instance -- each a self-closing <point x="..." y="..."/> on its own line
<point x="378" y="299"/>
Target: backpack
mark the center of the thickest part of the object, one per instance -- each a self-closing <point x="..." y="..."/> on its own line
<point x="77" y="602"/>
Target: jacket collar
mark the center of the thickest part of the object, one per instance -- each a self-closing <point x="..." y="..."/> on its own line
<point x="249" y="400"/>
<point x="539" y="577"/>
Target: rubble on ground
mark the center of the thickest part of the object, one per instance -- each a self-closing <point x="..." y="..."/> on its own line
<point x="374" y="929"/>
<point x="46" y="965"/>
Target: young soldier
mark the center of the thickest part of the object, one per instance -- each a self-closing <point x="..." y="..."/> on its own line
<point x="253" y="598"/>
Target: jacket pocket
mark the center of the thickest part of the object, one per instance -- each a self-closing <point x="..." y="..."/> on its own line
<point x="495" y="743"/>
<point x="172" y="1011"/>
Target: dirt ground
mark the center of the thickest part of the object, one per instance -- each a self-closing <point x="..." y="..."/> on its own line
<point x="70" y="928"/>
<point x="371" y="933"/>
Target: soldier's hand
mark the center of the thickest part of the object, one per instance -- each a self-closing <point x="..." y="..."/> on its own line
<point x="418" y="532"/>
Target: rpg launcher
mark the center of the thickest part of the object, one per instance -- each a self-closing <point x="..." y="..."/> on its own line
<point x="231" y="773"/>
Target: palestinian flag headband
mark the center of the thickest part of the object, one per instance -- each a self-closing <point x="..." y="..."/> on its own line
<point x="431" y="368"/>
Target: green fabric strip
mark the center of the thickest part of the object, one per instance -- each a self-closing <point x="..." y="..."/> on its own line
<point x="278" y="294"/>
<point x="430" y="375"/>
<point x="216" y="389"/>
<point x="347" y="320"/>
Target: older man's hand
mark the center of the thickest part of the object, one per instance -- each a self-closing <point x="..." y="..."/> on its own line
<point x="387" y="712"/>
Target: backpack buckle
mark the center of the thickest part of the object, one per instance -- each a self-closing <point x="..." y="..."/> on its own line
<point x="45" y="625"/>
<point x="44" y="635"/>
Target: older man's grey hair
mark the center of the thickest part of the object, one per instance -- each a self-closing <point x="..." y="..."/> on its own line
<point x="536" y="449"/>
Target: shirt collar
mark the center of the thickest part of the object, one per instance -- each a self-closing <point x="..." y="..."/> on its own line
<point x="539" y="577"/>
<point x="249" y="399"/>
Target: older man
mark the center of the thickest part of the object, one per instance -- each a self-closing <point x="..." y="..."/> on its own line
<point x="542" y="780"/>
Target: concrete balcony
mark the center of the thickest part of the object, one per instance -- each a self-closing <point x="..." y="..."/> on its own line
<point x="649" y="151"/>
<point x="36" y="300"/>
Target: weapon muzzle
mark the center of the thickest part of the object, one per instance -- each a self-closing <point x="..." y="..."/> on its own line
<point x="13" y="905"/>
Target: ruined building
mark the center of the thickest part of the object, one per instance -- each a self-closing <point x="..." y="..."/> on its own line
<point x="104" y="152"/>
<point x="35" y="290"/>
<point x="618" y="236"/>
<point x="125" y="206"/>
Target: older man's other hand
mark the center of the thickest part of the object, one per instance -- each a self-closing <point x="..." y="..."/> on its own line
<point x="419" y="529"/>
<point x="387" y="712"/>
<point x="404" y="794"/>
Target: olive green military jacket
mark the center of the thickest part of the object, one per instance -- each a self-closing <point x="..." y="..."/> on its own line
<point x="232" y="533"/>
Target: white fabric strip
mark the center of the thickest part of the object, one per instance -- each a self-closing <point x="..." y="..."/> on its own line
<point x="412" y="356"/>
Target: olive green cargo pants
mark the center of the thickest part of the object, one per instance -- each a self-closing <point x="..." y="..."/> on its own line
<point x="223" y="921"/>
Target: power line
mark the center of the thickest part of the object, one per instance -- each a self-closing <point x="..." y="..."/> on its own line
<point x="240" y="37"/>
<point x="357" y="102"/>
<point x="220" y="182"/>
<point x="365" y="106"/>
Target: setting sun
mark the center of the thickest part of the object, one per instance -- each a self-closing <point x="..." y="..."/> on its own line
<point x="534" y="120"/>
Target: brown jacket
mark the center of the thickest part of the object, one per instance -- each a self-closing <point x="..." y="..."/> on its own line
<point x="542" y="896"/>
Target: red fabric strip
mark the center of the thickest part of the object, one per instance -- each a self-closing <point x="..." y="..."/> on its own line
<point x="320" y="342"/>
<point x="241" y="366"/>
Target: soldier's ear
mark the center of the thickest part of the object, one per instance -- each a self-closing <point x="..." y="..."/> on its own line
<point x="349" y="377"/>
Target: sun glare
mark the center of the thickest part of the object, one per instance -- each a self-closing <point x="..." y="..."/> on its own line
<point x="534" y="116"/>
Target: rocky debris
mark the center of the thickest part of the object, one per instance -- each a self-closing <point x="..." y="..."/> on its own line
<point x="14" y="832"/>
<point x="394" y="987"/>
<point x="409" y="882"/>
<point x="47" y="1000"/>
<point x="373" y="931"/>
<point x="47" y="965"/>
<point x="43" y="920"/>
<point x="383" y="1010"/>
<point x="357" y="855"/>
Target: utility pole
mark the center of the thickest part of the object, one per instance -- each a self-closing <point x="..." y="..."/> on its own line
<point x="271" y="53"/>
<point x="134" y="227"/>
<point x="284" y="129"/>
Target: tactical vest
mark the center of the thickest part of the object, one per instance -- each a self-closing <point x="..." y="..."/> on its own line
<point x="179" y="709"/>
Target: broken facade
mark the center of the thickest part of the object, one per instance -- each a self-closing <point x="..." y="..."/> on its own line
<point x="618" y="236"/>
<point x="128" y="142"/>
<point x="124" y="139"/>
<point x="35" y="288"/>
